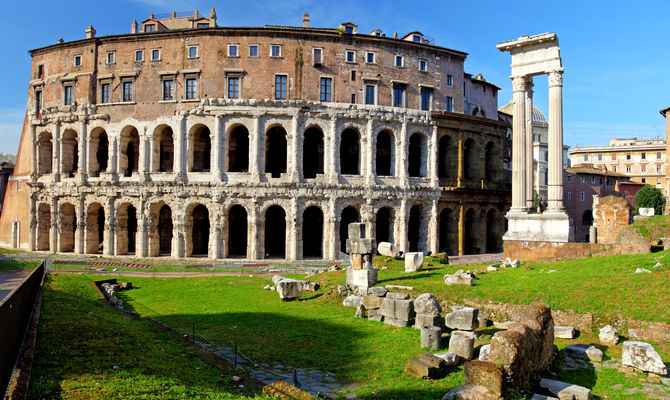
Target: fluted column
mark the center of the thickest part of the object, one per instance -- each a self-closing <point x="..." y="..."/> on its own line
<point x="530" y="187"/>
<point x="519" y="146"/>
<point x="555" y="165"/>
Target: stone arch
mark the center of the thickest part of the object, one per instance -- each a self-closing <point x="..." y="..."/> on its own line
<point x="160" y="233"/>
<point x="491" y="162"/>
<point x="312" y="154"/>
<point x="471" y="232"/>
<point x="95" y="228"/>
<point x="471" y="160"/>
<point x="275" y="151"/>
<point x="238" y="149"/>
<point x="43" y="227"/>
<point x="70" y="153"/>
<point x="67" y="228"/>
<point x="98" y="158"/>
<point x="350" y="157"/>
<point x="447" y="158"/>
<point x="198" y="231"/>
<point x="129" y="144"/>
<point x="349" y="214"/>
<point x="384" y="224"/>
<point x="275" y="232"/>
<point x="162" y="158"/>
<point x="44" y="153"/>
<point x="312" y="232"/>
<point x="237" y="231"/>
<point x="448" y="242"/>
<point x="417" y="155"/>
<point x="493" y="231"/>
<point x="199" y="149"/>
<point x="385" y="153"/>
<point x="126" y="234"/>
<point x="416" y="231"/>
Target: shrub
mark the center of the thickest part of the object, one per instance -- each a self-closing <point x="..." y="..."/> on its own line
<point x="650" y="197"/>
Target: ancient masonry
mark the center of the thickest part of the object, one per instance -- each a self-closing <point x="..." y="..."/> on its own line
<point x="184" y="139"/>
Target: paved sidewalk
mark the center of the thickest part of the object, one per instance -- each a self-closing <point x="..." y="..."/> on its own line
<point x="9" y="280"/>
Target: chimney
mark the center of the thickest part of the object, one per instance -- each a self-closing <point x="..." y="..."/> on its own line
<point x="133" y="26"/>
<point x="173" y="15"/>
<point x="395" y="35"/>
<point x="151" y="16"/>
<point x="196" y="15"/>
<point x="90" y="32"/>
<point x="305" y="20"/>
<point x="61" y="41"/>
<point x="212" y="18"/>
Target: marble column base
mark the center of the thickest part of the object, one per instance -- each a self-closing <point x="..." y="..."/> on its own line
<point x="545" y="227"/>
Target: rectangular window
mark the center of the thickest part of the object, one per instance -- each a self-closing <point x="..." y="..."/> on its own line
<point x="77" y="61"/>
<point x="353" y="98"/>
<point x="111" y="57"/>
<point x="627" y="168"/>
<point x="398" y="96"/>
<point x="193" y="52"/>
<point x="546" y="156"/>
<point x="450" y="80"/>
<point x="353" y="76"/>
<point x="127" y="91"/>
<point x="275" y="50"/>
<point x="232" y="50"/>
<point x="155" y="55"/>
<point x="449" y="104"/>
<point x="644" y="180"/>
<point x="369" y="94"/>
<point x="600" y="157"/>
<point x="615" y="168"/>
<point x="582" y="179"/>
<point x="422" y="65"/>
<point x="139" y="55"/>
<point x="658" y="155"/>
<point x="203" y="25"/>
<point x="168" y="89"/>
<point x="150" y="28"/>
<point x="643" y="168"/>
<point x="67" y="95"/>
<point x="191" y="88"/>
<point x="426" y="98"/>
<point x="593" y="179"/>
<point x="613" y="157"/>
<point x="586" y="157"/>
<point x="582" y="195"/>
<point x="399" y="61"/>
<point x="370" y="57"/>
<point x="628" y="156"/>
<point x="569" y="178"/>
<point x="280" y="87"/>
<point x="104" y="92"/>
<point x="644" y="156"/>
<point x="234" y="87"/>
<point x="40" y="71"/>
<point x="658" y="168"/>
<point x="38" y="100"/>
<point x="416" y="38"/>
<point x="569" y="195"/>
<point x="317" y="56"/>
<point x="351" y="56"/>
<point x="326" y="88"/>
<point x="253" y="50"/>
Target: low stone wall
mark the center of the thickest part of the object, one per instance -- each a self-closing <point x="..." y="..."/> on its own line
<point x="544" y="251"/>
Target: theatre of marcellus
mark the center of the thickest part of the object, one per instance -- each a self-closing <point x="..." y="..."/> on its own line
<point x="184" y="138"/>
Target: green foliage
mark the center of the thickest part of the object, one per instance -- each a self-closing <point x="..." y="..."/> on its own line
<point x="650" y="197"/>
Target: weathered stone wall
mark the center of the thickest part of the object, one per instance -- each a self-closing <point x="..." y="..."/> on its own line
<point x="610" y="215"/>
<point x="546" y="251"/>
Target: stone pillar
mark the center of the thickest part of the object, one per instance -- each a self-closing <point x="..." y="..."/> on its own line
<point x="433" y="159"/>
<point x="292" y="231"/>
<point x="333" y="152"/>
<point x="461" y="229"/>
<point x="402" y="156"/>
<point x="178" y="235"/>
<point x="331" y="230"/>
<point x="112" y="165"/>
<point x="145" y="153"/>
<point x="519" y="145"/>
<point x="55" y="219"/>
<point x="294" y="147"/>
<point x="32" y="224"/>
<point x="530" y="187"/>
<point x="111" y="229"/>
<point x="370" y="153"/>
<point x="401" y="219"/>
<point x="83" y="157"/>
<point x="555" y="165"/>
<point x="459" y="177"/>
<point x="217" y="167"/>
<point x="80" y="235"/>
<point x="215" y="234"/>
<point x="33" y="158"/>
<point x="254" y="161"/>
<point x="482" y="231"/>
<point x="368" y="218"/>
<point x="180" y="149"/>
<point x="56" y="167"/>
<point x="253" y="248"/>
<point x="433" y="228"/>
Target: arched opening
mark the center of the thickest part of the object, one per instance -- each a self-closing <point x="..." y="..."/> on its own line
<point x="312" y="232"/>
<point x="43" y="227"/>
<point x="471" y="235"/>
<point x="126" y="236"/>
<point x="44" y="154"/>
<point x="447" y="158"/>
<point x="417" y="155"/>
<point x="95" y="228"/>
<point x="384" y="154"/>
<point x="162" y="241"/>
<point x="199" y="221"/>
<point x="200" y="149"/>
<point x="414" y="229"/>
<point x="491" y="162"/>
<point x="312" y="154"/>
<point x="493" y="232"/>
<point x="587" y="218"/>
<point x="448" y="232"/>
<point x="349" y="215"/>
<point x="237" y="231"/>
<point x="349" y="153"/>
<point x="384" y="225"/>
<point x="68" y="228"/>
<point x="98" y="152"/>
<point x="162" y="159"/>
<point x="275" y="151"/>
<point x="70" y="153"/>
<point x="275" y="232"/>
<point x="471" y="160"/>
<point x="238" y="149"/>
<point x="130" y="155"/>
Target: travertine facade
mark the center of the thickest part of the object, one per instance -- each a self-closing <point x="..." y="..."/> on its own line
<point x="249" y="146"/>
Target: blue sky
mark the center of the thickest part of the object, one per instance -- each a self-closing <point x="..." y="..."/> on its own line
<point x="616" y="53"/>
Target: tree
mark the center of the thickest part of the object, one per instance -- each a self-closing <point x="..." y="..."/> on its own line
<point x="650" y="197"/>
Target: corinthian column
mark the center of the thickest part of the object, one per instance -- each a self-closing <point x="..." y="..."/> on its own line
<point x="555" y="167"/>
<point x="519" y="145"/>
<point x="529" y="143"/>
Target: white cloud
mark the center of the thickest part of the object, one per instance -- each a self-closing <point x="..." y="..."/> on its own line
<point x="11" y="124"/>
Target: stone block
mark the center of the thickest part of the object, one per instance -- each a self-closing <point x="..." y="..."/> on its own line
<point x="565" y="391"/>
<point x="462" y="319"/>
<point x="646" y="211"/>
<point x="356" y="230"/>
<point x="582" y="351"/>
<point x="352" y="301"/>
<point x="356" y="261"/>
<point x="397" y="296"/>
<point x="360" y="312"/>
<point x="413" y="261"/>
<point x="360" y="246"/>
<point x="493" y="267"/>
<point x="400" y="323"/>
<point x="470" y="392"/>
<point x="361" y="278"/>
<point x="375" y="315"/>
<point x="449" y="358"/>
<point x="378" y="291"/>
<point x="486" y="374"/>
<point x="289" y="289"/>
<point x="420" y="369"/>
<point x="608" y="335"/>
<point x="462" y="343"/>
<point x="421" y="320"/>
<point x="427" y="304"/>
<point x="431" y="337"/>
<point x="642" y="356"/>
<point x="565" y="332"/>
<point x="386" y="249"/>
<point x="372" y="302"/>
<point x="485" y="352"/>
<point x="454" y="280"/>
<point x="310" y="286"/>
<point x="483" y="321"/>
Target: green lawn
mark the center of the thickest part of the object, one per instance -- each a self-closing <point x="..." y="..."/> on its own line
<point x="7" y="264"/>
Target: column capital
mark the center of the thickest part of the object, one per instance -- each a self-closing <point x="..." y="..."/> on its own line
<point x="519" y="83"/>
<point x="555" y="77"/>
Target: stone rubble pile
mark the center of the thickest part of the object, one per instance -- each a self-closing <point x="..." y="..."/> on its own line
<point x="427" y="310"/>
<point x="460" y="278"/>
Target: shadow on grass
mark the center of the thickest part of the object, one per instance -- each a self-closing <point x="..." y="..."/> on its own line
<point x="411" y="277"/>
